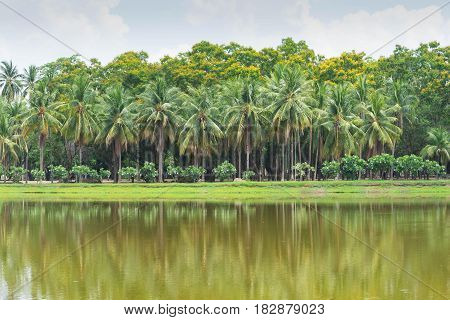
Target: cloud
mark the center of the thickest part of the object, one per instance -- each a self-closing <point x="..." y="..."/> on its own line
<point x="88" y="26"/>
<point x="364" y="31"/>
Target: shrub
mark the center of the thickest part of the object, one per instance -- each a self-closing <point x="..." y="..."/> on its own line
<point x="192" y="174"/>
<point x="382" y="164"/>
<point x="81" y="172"/>
<point x="59" y="173"/>
<point x="301" y="169"/>
<point x="104" y="173"/>
<point x="16" y="173"/>
<point x="248" y="175"/>
<point x="149" y="172"/>
<point x="225" y="171"/>
<point x="38" y="175"/>
<point x="409" y="166"/>
<point x="432" y="168"/>
<point x="128" y="173"/>
<point x="352" y="167"/>
<point x="1" y="171"/>
<point x="330" y="170"/>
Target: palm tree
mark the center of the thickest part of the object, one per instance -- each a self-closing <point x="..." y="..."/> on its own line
<point x="200" y="132"/>
<point x="244" y="116"/>
<point x="81" y="124"/>
<point x="29" y="79"/>
<point x="10" y="80"/>
<point x="438" y="146"/>
<point x="157" y="116"/>
<point x="118" y="129"/>
<point x="8" y="147"/>
<point x="290" y="96"/>
<point x="378" y="126"/>
<point x="42" y="116"/>
<point x="322" y="100"/>
<point x="400" y="96"/>
<point x="341" y="122"/>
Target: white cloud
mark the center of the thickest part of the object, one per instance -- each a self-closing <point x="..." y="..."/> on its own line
<point x="364" y="31"/>
<point x="88" y="26"/>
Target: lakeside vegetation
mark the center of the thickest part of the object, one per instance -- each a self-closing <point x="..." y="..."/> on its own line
<point x="220" y="112"/>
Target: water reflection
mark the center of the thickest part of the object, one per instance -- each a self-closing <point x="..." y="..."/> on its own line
<point x="198" y="250"/>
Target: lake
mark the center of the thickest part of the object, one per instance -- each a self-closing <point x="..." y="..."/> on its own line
<point x="365" y="249"/>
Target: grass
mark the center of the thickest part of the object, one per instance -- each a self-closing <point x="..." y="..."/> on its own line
<point x="289" y="190"/>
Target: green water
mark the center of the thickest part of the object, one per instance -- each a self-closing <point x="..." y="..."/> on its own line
<point x="169" y="250"/>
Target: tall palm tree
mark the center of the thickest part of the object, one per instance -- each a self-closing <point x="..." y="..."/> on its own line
<point x="378" y="126"/>
<point x="29" y="79"/>
<point x="157" y="116"/>
<point x="244" y="116"/>
<point x="118" y="128"/>
<point x="322" y="100"/>
<point x="81" y="125"/>
<point x="341" y="122"/>
<point x="438" y="146"/>
<point x="8" y="147"/>
<point x="400" y="96"/>
<point x="10" y="80"/>
<point x="201" y="132"/>
<point x="42" y="117"/>
<point x="290" y="96"/>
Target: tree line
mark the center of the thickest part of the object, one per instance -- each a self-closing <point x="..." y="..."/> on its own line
<point x="285" y="122"/>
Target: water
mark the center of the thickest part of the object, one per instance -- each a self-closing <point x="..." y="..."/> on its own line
<point x="197" y="250"/>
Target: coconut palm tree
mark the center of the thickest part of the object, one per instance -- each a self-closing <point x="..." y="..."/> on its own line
<point x="10" y="80"/>
<point x="400" y="96"/>
<point x="117" y="129"/>
<point x="42" y="117"/>
<point x="341" y="122"/>
<point x="201" y="132"/>
<point x="378" y="126"/>
<point x="157" y="116"/>
<point x="81" y="125"/>
<point x="8" y="147"/>
<point x="438" y="146"/>
<point x="290" y="96"/>
<point x="322" y="100"/>
<point x="29" y="79"/>
<point x="244" y="116"/>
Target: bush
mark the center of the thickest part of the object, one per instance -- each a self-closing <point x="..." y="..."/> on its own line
<point x="410" y="166"/>
<point x="352" y="167"/>
<point x="59" y="173"/>
<point x="38" y="175"/>
<point x="104" y="173"/>
<point x="432" y="168"/>
<point x="128" y="173"/>
<point x="248" y="175"/>
<point x="192" y="174"/>
<point x="330" y="170"/>
<point x="149" y="172"/>
<point x="1" y="171"/>
<point x="81" y="172"/>
<point x="225" y="171"/>
<point x="16" y="173"/>
<point x="301" y="169"/>
<point x="382" y="164"/>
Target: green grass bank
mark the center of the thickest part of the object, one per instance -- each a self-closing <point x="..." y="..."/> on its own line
<point x="230" y="190"/>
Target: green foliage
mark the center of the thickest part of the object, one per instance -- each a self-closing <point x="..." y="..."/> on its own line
<point x="330" y="170"/>
<point x="128" y="173"/>
<point x="409" y="166"/>
<point x="225" y="171"/>
<point x="148" y="172"/>
<point x="85" y="173"/>
<point x="104" y="173"/>
<point x="59" y="173"/>
<point x="302" y="168"/>
<point x="381" y="164"/>
<point x="248" y="175"/>
<point x="38" y="175"/>
<point x="1" y="171"/>
<point x="352" y="167"/>
<point x="191" y="174"/>
<point x="432" y="168"/>
<point x="16" y="173"/>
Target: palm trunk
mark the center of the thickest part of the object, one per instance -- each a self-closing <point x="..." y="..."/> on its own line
<point x="247" y="150"/>
<point x="282" y="161"/>
<point x="310" y="149"/>
<point x="41" y="152"/>
<point x="160" y="155"/>
<point x="80" y="153"/>
<point x="26" y="167"/>
<point x="239" y="162"/>
<point x="137" y="161"/>
<point x="291" y="145"/>
<point x="316" y="166"/>
<point x="203" y="166"/>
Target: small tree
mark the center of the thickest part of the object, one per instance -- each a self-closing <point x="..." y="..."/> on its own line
<point x="301" y="169"/>
<point x="410" y="166"/>
<point x="330" y="170"/>
<point x="192" y="174"/>
<point x="224" y="171"/>
<point x="128" y="173"/>
<point x="104" y="174"/>
<point x="352" y="167"/>
<point x="248" y="175"/>
<point x="81" y="172"/>
<point x="59" y="173"/>
<point x="38" y="175"/>
<point x="381" y="164"/>
<point x="149" y="172"/>
<point x="2" y="172"/>
<point x="16" y="173"/>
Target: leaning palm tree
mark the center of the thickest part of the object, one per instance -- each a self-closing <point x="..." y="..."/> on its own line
<point x="244" y="116"/>
<point x="379" y="129"/>
<point x="10" y="80"/>
<point x="341" y="122"/>
<point x="157" y="116"/>
<point x="8" y="147"/>
<point x="42" y="117"/>
<point x="290" y="98"/>
<point x="438" y="146"/>
<point x="201" y="132"/>
<point x="118" y="129"/>
<point x="81" y="125"/>
<point x="29" y="79"/>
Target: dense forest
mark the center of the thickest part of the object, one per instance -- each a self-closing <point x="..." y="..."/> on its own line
<point x="228" y="111"/>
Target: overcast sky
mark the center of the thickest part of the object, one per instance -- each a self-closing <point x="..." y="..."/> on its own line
<point x="106" y="28"/>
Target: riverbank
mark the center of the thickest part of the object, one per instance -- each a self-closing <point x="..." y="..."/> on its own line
<point x="271" y="190"/>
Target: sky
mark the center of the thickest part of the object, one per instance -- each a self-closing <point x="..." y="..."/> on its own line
<point x="105" y="28"/>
